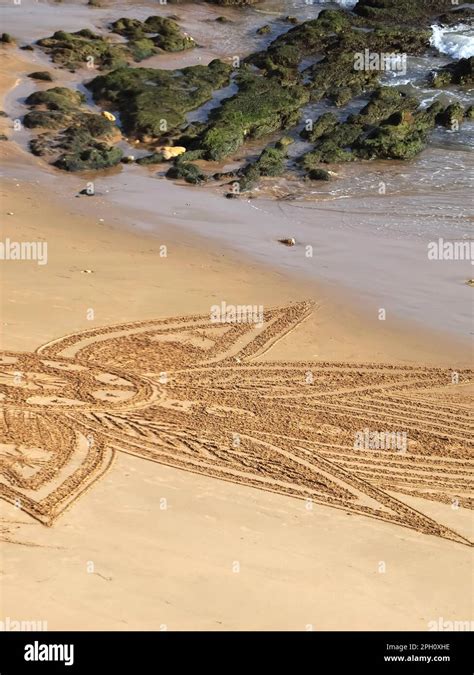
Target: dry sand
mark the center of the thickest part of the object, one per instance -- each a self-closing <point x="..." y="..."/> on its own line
<point x="243" y="538"/>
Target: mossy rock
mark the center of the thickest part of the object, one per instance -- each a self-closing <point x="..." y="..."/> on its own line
<point x="460" y="72"/>
<point x="330" y="154"/>
<point x="186" y="171"/>
<point x="324" y="124"/>
<point x="402" y="136"/>
<point x="190" y="156"/>
<point x="153" y="34"/>
<point x="456" y="16"/>
<point x="260" y="107"/>
<point x="400" y="11"/>
<point x="271" y="162"/>
<point x="153" y="158"/>
<point x="42" y="75"/>
<point x="249" y="179"/>
<point x="319" y="174"/>
<point x="153" y="103"/>
<point x="46" y="119"/>
<point x="264" y="30"/>
<point x="129" y="28"/>
<point x="384" y="102"/>
<point x="452" y="116"/>
<point x="93" y="158"/>
<point x="334" y="145"/>
<point x="75" y="50"/>
<point x="142" y="49"/>
<point x="57" y="98"/>
<point x="77" y="140"/>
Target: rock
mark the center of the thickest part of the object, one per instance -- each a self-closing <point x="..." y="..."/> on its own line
<point x="319" y="174"/>
<point x="41" y="75"/>
<point x="264" y="30"/>
<point x="169" y="151"/>
<point x="460" y="72"/>
<point x="145" y="97"/>
<point x="154" y="158"/>
<point x="108" y="116"/>
<point x="452" y="116"/>
<point x="284" y="142"/>
<point x="240" y="118"/>
<point x="87" y="271"/>
<point x="223" y="175"/>
<point x="288" y="242"/>
<point x="187" y="171"/>
<point x="128" y="159"/>
<point x="73" y="50"/>
<point x="470" y="282"/>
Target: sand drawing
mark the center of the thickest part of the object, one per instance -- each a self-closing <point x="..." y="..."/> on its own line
<point x="205" y="397"/>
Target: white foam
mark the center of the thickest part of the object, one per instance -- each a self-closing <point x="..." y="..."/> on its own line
<point x="455" y="41"/>
<point x="346" y="3"/>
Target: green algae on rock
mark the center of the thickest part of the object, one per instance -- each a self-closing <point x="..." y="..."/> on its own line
<point x="260" y="107"/>
<point x="152" y="102"/>
<point x="186" y="171"/>
<point x="460" y="72"/>
<point x="82" y="142"/>
<point x="77" y="50"/>
<point x="152" y="35"/>
<point x="402" y="136"/>
<point x="401" y="11"/>
<point x="271" y="162"/>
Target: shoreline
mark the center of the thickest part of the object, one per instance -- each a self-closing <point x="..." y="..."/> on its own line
<point x="396" y="275"/>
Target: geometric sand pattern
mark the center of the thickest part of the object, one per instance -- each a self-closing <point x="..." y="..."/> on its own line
<point x="190" y="394"/>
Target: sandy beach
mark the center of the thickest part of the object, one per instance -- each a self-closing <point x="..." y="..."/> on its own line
<point x="170" y="525"/>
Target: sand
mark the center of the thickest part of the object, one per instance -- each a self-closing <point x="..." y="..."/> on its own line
<point x="163" y="522"/>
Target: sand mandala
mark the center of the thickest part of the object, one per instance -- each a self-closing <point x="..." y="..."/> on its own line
<point x="198" y="396"/>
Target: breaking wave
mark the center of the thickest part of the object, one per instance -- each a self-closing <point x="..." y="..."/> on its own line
<point x="455" y="41"/>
